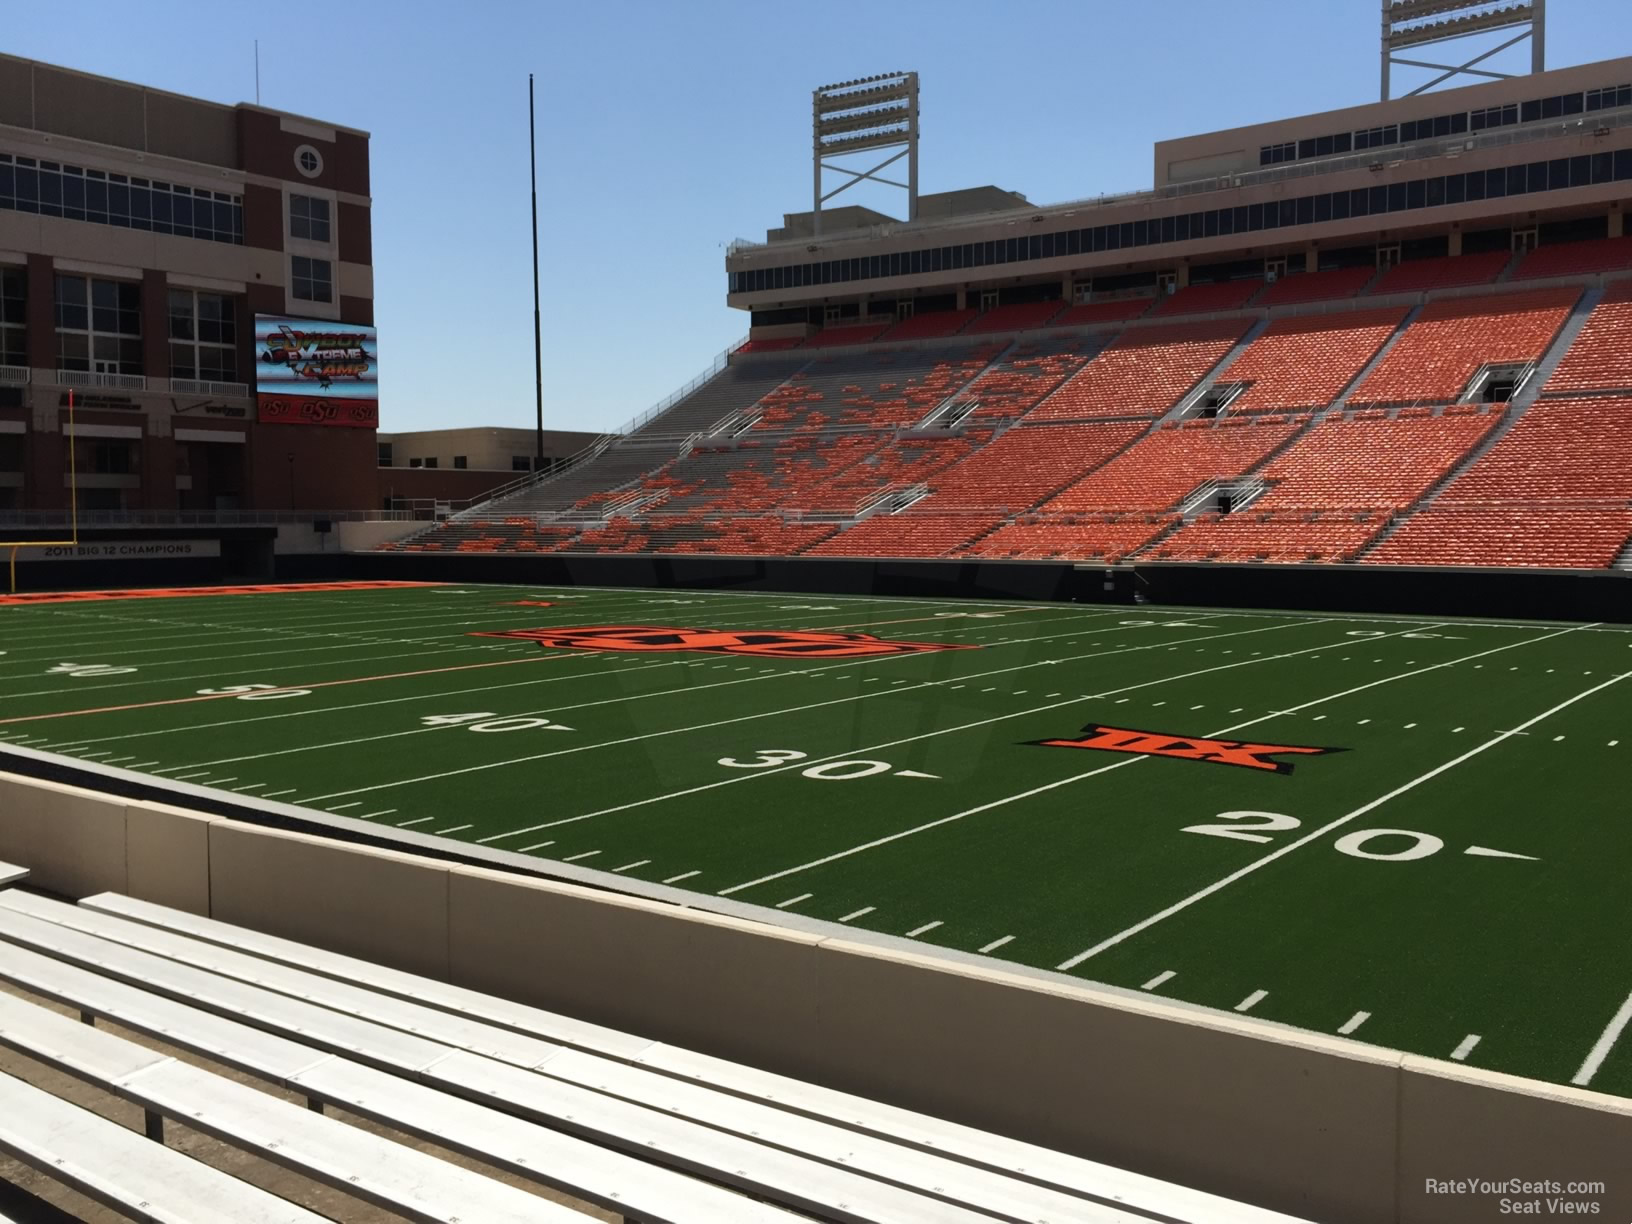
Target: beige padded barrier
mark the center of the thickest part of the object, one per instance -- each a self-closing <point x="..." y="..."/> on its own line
<point x="1284" y="1119"/>
<point x="1460" y="1123"/>
<point x="1320" y="1127"/>
<point x="381" y="905"/>
<point x="739" y="989"/>
<point x="167" y="856"/>
<point x="72" y="840"/>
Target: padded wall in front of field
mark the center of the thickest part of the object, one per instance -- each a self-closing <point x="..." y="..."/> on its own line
<point x="1319" y="1127"/>
<point x="1595" y="595"/>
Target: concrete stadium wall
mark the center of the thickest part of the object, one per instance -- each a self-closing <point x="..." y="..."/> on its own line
<point x="1320" y="1127"/>
<point x="1604" y="595"/>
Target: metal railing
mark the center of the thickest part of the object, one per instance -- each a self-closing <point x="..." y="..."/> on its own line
<point x="721" y="360"/>
<point x="14" y="375"/>
<point x="95" y="378"/>
<point x="195" y="386"/>
<point x="211" y="518"/>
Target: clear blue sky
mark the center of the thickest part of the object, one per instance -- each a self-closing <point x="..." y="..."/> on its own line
<point x="668" y="128"/>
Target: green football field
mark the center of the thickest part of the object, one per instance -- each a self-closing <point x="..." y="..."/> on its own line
<point x="1414" y="832"/>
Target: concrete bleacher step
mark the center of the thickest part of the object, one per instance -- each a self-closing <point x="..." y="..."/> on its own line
<point x="1037" y="1164"/>
<point x="10" y="874"/>
<point x="1623" y="560"/>
<point x="1377" y="359"/>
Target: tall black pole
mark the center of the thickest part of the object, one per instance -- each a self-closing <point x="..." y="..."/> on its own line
<point x="538" y="339"/>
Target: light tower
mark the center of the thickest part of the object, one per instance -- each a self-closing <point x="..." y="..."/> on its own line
<point x="870" y="113"/>
<point x="1406" y="23"/>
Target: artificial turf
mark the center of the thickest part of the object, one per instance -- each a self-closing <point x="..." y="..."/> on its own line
<point x="1448" y="878"/>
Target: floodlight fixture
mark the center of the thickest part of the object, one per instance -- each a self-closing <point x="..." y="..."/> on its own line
<point x="867" y="113"/>
<point x="1419" y="23"/>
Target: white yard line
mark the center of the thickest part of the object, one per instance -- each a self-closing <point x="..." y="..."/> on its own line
<point x="1605" y="1043"/>
<point x="1315" y="835"/>
<point x="684" y="875"/>
<point x="593" y="674"/>
<point x="686" y="730"/>
<point x="1166" y="975"/>
<point x="866" y="909"/>
<point x="923" y="930"/>
<point x="1465" y="1048"/>
<point x="1047" y="786"/>
<point x="997" y="943"/>
<point x="1354" y="1022"/>
<point x="1252" y="1000"/>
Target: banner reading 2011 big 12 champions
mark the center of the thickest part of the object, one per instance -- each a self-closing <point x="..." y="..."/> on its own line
<point x="316" y="372"/>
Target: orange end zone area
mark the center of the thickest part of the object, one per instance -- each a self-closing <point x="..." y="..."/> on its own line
<point x="47" y="597"/>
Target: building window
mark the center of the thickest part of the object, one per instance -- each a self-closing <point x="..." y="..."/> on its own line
<point x="459" y="461"/>
<point x="520" y="463"/>
<point x="203" y="336"/>
<point x="416" y="463"/>
<point x="13" y="303"/>
<point x="430" y="463"/>
<point x="308" y="161"/>
<point x="312" y="279"/>
<point x="384" y="454"/>
<point x="99" y="325"/>
<point x="309" y="218"/>
<point x="79" y="194"/>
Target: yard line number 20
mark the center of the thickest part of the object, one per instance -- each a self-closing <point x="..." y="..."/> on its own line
<point x="1261" y="827"/>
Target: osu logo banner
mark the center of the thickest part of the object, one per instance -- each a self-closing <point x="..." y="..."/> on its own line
<point x="316" y="372"/>
<point x="766" y="643"/>
<point x="1186" y="747"/>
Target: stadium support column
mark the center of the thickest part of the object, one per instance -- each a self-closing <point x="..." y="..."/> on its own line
<point x="538" y="335"/>
<point x="1617" y="221"/>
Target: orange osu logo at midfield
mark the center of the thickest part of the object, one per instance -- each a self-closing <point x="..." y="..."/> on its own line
<point x="1186" y="747"/>
<point x="765" y="643"/>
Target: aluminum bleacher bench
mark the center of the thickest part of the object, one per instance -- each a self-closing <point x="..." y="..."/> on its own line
<point x="10" y="874"/>
<point x="862" y="1182"/>
<point x="982" y="1149"/>
<point x="120" y="1169"/>
<point x="608" y="1179"/>
<point x="406" y="1182"/>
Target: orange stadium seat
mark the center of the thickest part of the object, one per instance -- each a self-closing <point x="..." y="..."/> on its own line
<point x="1323" y="286"/>
<point x="1254" y="536"/>
<point x="1168" y="465"/>
<point x="1100" y="314"/>
<point x="908" y="535"/>
<point x="1144" y="372"/>
<point x="1025" y="465"/>
<point x="1601" y="357"/>
<point x="1452" y="338"/>
<point x="1550" y="536"/>
<point x="1210" y="297"/>
<point x="1576" y="259"/>
<point x="1371" y="463"/>
<point x="1015" y="318"/>
<point x="1445" y="272"/>
<point x="1306" y="361"/>
<point x="928" y="326"/>
<point x="1558" y="451"/>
